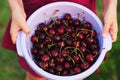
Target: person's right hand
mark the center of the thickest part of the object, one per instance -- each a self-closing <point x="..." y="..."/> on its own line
<point x="18" y="22"/>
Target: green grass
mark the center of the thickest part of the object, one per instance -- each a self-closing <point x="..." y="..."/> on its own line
<point x="10" y="69"/>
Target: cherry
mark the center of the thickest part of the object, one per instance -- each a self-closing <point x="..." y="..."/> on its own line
<point x="69" y="29"/>
<point x="95" y="52"/>
<point x="57" y="37"/>
<point x="61" y="44"/>
<point x="70" y="22"/>
<point x="41" y="36"/>
<point x="89" y="58"/>
<point x="51" y="31"/>
<point x="45" y="57"/>
<point x="77" y="22"/>
<point x="51" y="70"/>
<point x="73" y="35"/>
<point x="83" y="48"/>
<point x="80" y="36"/>
<point x="34" y="39"/>
<point x="59" y="68"/>
<point x="65" y="52"/>
<point x="61" y="30"/>
<point x="67" y="65"/>
<point x="76" y="58"/>
<point x="67" y="16"/>
<point x="52" y="64"/>
<point x="54" y="53"/>
<point x="77" y="70"/>
<point x="57" y="22"/>
<point x="68" y="42"/>
<point x="85" y="65"/>
<point x="60" y="59"/>
<point x="48" y="39"/>
<point x="34" y="51"/>
<point x="43" y="65"/>
<point x="88" y="25"/>
<point x="90" y="40"/>
<point x="64" y="73"/>
<point x="94" y="46"/>
<point x="76" y="43"/>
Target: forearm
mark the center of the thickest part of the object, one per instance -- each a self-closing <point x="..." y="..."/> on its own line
<point x="109" y="5"/>
<point x="16" y="6"/>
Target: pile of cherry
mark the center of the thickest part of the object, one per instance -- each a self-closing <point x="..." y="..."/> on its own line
<point x="65" y="46"/>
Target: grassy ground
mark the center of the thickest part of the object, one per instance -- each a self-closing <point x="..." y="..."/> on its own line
<point x="10" y="69"/>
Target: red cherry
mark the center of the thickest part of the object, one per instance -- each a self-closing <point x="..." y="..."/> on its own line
<point x="76" y="58"/>
<point x="65" y="53"/>
<point x="76" y="43"/>
<point x="85" y="65"/>
<point x="89" y="58"/>
<point x="67" y="16"/>
<point x="61" y="30"/>
<point x="88" y="25"/>
<point x="77" y="70"/>
<point x="55" y="53"/>
<point x="51" y="31"/>
<point x="43" y="65"/>
<point x="45" y="57"/>
<point x="67" y="65"/>
<point x="80" y="36"/>
<point x="34" y="39"/>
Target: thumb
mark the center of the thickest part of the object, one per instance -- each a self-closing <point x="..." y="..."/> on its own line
<point x="105" y="29"/>
<point x="25" y="28"/>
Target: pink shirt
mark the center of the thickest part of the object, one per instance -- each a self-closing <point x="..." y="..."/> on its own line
<point x="30" y="6"/>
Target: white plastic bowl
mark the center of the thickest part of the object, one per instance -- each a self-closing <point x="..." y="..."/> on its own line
<point x="24" y="44"/>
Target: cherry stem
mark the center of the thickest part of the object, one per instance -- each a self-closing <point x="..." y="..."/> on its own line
<point x="50" y="45"/>
<point x="71" y="59"/>
<point x="60" y="51"/>
<point x="47" y="33"/>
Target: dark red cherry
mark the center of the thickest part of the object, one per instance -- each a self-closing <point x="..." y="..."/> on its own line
<point x="43" y="65"/>
<point x="90" y="40"/>
<point x="67" y="65"/>
<point x="61" y="30"/>
<point x="89" y="58"/>
<point x="59" y="68"/>
<point x="77" y="22"/>
<point x="76" y="58"/>
<point x="51" y="31"/>
<point x="77" y="70"/>
<point x="88" y="25"/>
<point x="85" y="65"/>
<point x="80" y="36"/>
<point x="34" y="39"/>
<point x="76" y="43"/>
<point x="60" y="60"/>
<point x="57" y="37"/>
<point x="83" y="48"/>
<point x="67" y="16"/>
<point x="54" y="53"/>
<point x="45" y="57"/>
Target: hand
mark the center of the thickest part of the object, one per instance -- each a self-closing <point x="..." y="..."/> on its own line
<point x="18" y="23"/>
<point x="110" y="23"/>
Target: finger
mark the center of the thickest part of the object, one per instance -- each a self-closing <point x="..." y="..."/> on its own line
<point x="106" y="29"/>
<point x="113" y="32"/>
<point x="25" y="28"/>
<point x="13" y="35"/>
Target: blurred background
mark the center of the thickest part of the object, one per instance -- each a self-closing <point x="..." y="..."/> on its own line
<point x="11" y="70"/>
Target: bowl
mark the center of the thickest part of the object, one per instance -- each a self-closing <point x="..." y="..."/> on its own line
<point x="43" y="14"/>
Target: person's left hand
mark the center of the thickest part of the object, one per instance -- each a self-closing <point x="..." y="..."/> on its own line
<point x="110" y="23"/>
